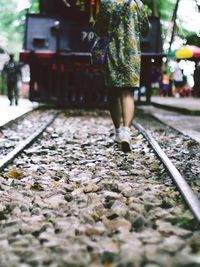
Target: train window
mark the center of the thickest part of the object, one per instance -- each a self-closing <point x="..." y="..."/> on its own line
<point x="40" y="42"/>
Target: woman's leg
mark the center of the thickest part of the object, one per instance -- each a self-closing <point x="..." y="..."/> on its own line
<point x="115" y="106"/>
<point x="128" y="106"/>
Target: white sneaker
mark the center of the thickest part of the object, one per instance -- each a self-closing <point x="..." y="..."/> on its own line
<point x="126" y="139"/>
<point x="118" y="135"/>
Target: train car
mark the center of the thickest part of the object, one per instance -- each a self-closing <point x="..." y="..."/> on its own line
<point x="57" y="44"/>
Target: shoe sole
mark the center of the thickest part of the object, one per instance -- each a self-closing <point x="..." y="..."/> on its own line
<point x="125" y="146"/>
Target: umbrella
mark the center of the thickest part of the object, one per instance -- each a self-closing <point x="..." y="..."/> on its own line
<point x="185" y="52"/>
<point x="196" y="52"/>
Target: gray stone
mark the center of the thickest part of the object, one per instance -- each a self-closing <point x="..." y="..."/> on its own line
<point x="118" y="224"/>
<point x="172" y="244"/>
<point x="139" y="222"/>
<point x="119" y="208"/>
<point x="168" y="228"/>
<point x="131" y="253"/>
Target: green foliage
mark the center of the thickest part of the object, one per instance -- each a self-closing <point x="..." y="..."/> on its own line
<point x="12" y="23"/>
<point x="166" y="9"/>
<point x="163" y="9"/>
<point x="193" y="39"/>
<point x="9" y="21"/>
<point x="34" y="8"/>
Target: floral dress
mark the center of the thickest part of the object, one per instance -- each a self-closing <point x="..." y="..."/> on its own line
<point x="127" y="22"/>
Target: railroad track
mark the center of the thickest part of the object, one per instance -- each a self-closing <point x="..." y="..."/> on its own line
<point x="27" y="141"/>
<point x="78" y="186"/>
<point x="185" y="190"/>
<point x="21" y="117"/>
<point x="183" y="187"/>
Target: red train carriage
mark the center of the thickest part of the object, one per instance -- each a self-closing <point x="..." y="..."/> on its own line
<point x="57" y="47"/>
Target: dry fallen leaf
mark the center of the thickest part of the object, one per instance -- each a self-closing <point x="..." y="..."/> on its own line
<point x="192" y="143"/>
<point x="14" y="173"/>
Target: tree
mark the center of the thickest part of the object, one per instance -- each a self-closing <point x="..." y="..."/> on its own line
<point x="192" y="39"/>
<point x="34" y="6"/>
<point x="167" y="10"/>
<point x="162" y="9"/>
<point x="12" y="23"/>
<point x="9" y="23"/>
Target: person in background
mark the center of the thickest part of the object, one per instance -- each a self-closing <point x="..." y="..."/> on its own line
<point x="122" y="68"/>
<point x="165" y="85"/>
<point x="196" y="88"/>
<point x="12" y="72"/>
<point x="178" y="80"/>
<point x="156" y="76"/>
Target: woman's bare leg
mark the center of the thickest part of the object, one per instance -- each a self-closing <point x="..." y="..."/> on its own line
<point x="128" y="106"/>
<point x="115" y="106"/>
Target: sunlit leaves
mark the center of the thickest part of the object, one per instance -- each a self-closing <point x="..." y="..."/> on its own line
<point x="12" y="21"/>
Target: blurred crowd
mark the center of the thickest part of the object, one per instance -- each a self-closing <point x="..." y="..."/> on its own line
<point x="165" y="82"/>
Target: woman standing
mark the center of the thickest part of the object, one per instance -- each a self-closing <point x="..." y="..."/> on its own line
<point x="126" y="21"/>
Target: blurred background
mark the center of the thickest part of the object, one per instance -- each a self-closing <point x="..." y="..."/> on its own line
<point x="180" y="26"/>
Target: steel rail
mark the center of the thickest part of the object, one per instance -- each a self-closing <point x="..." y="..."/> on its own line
<point x="185" y="190"/>
<point x="24" y="144"/>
